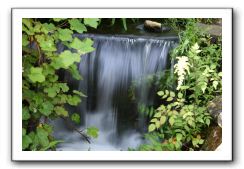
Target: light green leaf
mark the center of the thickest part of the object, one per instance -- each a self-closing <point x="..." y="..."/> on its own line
<point x="75" y="72"/>
<point x="178" y="137"/>
<point x="46" y="28"/>
<point x="46" y="43"/>
<point x="75" y="118"/>
<point x="58" y="19"/>
<point x="172" y="94"/>
<point x="36" y="74"/>
<point x="162" y="120"/>
<point x="79" y="93"/>
<point x="23" y="131"/>
<point x="25" y="113"/>
<point x="160" y="93"/>
<point x="42" y="136"/>
<point x="207" y="121"/>
<point x="157" y="114"/>
<point x="25" y="40"/>
<point x="92" y="132"/>
<point x="75" y="24"/>
<point x="157" y="123"/>
<point x="92" y="22"/>
<point x="215" y="84"/>
<point x="151" y="127"/>
<point x="180" y="95"/>
<point x="171" y="121"/>
<point x="26" y="141"/>
<point x="65" y="34"/>
<point x="153" y="120"/>
<point x="169" y="99"/>
<point x="61" y="111"/>
<point x="46" y="108"/>
<point x="83" y="47"/>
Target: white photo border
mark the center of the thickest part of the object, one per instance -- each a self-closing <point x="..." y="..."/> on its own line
<point x="224" y="154"/>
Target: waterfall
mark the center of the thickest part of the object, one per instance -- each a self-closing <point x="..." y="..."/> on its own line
<point x="108" y="73"/>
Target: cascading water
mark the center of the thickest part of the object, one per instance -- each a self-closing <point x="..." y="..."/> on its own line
<point x="108" y="73"/>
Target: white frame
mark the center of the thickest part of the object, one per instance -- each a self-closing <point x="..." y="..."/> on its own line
<point x="224" y="154"/>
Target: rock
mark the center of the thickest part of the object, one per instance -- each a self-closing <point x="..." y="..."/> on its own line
<point x="214" y="138"/>
<point x="213" y="30"/>
<point x="215" y="109"/>
<point x="214" y="134"/>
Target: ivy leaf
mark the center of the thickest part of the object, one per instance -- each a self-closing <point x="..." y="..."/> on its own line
<point x="46" y="108"/>
<point x="84" y="46"/>
<point x="61" y="111"/>
<point x="73" y="100"/>
<point x="65" y="59"/>
<point x="46" y="43"/>
<point x="92" y="22"/>
<point x="151" y="127"/>
<point x="75" y="72"/>
<point x="52" y="91"/>
<point x="36" y="74"/>
<point x="75" y="118"/>
<point x="65" y="34"/>
<point x="171" y="121"/>
<point x="26" y="141"/>
<point x="76" y="25"/>
<point x="46" y="28"/>
<point x="42" y="136"/>
<point x="25" y="113"/>
<point x="92" y="132"/>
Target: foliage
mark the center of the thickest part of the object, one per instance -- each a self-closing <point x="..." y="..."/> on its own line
<point x="45" y="94"/>
<point x="178" y="123"/>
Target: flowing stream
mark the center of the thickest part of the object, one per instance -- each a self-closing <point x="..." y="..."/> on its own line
<point x="108" y="74"/>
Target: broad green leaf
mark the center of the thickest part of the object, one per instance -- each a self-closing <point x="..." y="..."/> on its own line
<point x="52" y="91"/>
<point x="171" y="121"/>
<point x="65" y="59"/>
<point x="52" y="145"/>
<point x="58" y="19"/>
<point x="26" y="141"/>
<point x="178" y="137"/>
<point x="180" y="95"/>
<point x="157" y="114"/>
<point x="169" y="99"/>
<point x="92" y="22"/>
<point x="48" y="27"/>
<point x="207" y="121"/>
<point x="75" y="24"/>
<point x="25" y="113"/>
<point x="172" y="94"/>
<point x="46" y="43"/>
<point x="157" y="124"/>
<point x="75" y="118"/>
<point x="61" y="111"/>
<point x="162" y="120"/>
<point x="46" y="108"/>
<point x="74" y="100"/>
<point x="42" y="136"/>
<point x="160" y="93"/>
<point x="92" y="132"/>
<point x="201" y="141"/>
<point x="203" y="86"/>
<point x="36" y="74"/>
<point x="153" y="120"/>
<point x="83" y="47"/>
<point x="25" y="40"/>
<point x="75" y="72"/>
<point x="151" y="127"/>
<point x="65" y="34"/>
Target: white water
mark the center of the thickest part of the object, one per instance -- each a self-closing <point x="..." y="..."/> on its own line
<point x="108" y="73"/>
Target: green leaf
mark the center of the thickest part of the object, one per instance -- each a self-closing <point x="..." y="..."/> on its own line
<point x="180" y="95"/>
<point x="171" y="121"/>
<point x="75" y="24"/>
<point x="92" y="132"/>
<point x="25" y="113"/>
<point x="46" y="108"/>
<point x="26" y="141"/>
<point x="58" y="19"/>
<point x="25" y="40"/>
<point x="178" y="137"/>
<point x="42" y="136"/>
<point x="157" y="123"/>
<point x="162" y="120"/>
<point x="172" y="94"/>
<point x="51" y="91"/>
<point x="215" y="84"/>
<point x="75" y="72"/>
<point x="204" y="86"/>
<point x="65" y="59"/>
<point x="124" y="23"/>
<point x="23" y="131"/>
<point x="79" y="93"/>
<point x="46" y="28"/>
<point x="153" y="120"/>
<point x="157" y="114"/>
<point x="75" y="118"/>
<point x="92" y="22"/>
<point x="61" y="111"/>
<point x="46" y="43"/>
<point x="151" y="127"/>
<point x="160" y="93"/>
<point x="65" y="34"/>
<point x="201" y="141"/>
<point x="36" y="75"/>
<point x="83" y="47"/>
<point x="207" y="122"/>
<point x="52" y="145"/>
<point x="169" y="99"/>
<point x="74" y="100"/>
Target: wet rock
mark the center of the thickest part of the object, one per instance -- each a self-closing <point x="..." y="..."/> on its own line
<point x="152" y="26"/>
<point x="214" y="134"/>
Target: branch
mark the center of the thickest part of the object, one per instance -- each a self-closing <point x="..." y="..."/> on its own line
<point x="84" y="136"/>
